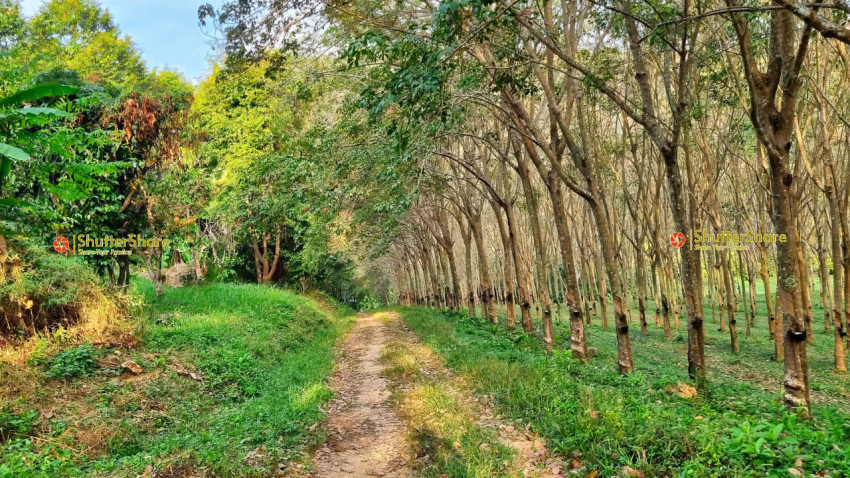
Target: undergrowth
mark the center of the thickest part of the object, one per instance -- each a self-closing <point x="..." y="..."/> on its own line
<point x="41" y="291"/>
<point x="732" y="428"/>
<point x="231" y="383"/>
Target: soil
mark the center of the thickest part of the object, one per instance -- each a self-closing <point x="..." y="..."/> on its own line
<point x="366" y="436"/>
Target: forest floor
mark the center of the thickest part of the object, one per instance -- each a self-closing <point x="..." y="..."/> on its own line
<point x="243" y="380"/>
<point x="399" y="412"/>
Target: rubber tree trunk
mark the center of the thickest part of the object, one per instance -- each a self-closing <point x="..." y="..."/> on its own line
<point x="805" y="293"/>
<point x="540" y="252"/>
<point x="487" y="303"/>
<point x="466" y="235"/>
<point x="838" y="279"/>
<point x="508" y="266"/>
<point x="578" y="338"/>
<point x="789" y="303"/>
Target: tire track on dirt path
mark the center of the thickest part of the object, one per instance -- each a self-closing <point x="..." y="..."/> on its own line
<point x="441" y="406"/>
<point x="366" y="438"/>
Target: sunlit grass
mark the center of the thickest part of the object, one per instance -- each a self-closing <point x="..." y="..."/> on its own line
<point x="639" y="420"/>
<point x="444" y="429"/>
<point x="262" y="354"/>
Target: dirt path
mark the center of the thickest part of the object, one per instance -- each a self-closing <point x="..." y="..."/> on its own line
<point x="366" y="437"/>
<point x="456" y="408"/>
<point x="399" y="412"/>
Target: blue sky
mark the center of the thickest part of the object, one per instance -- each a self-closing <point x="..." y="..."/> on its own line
<point x="166" y="31"/>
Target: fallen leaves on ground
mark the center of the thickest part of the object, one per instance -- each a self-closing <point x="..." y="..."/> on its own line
<point x="629" y="471"/>
<point x="132" y="366"/>
<point x="179" y="370"/>
<point x="253" y="457"/>
<point x="684" y="390"/>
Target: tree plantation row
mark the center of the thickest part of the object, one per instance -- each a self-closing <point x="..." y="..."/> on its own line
<point x="561" y="144"/>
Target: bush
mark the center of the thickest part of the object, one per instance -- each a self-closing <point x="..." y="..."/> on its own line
<point x="16" y="424"/>
<point x="42" y="290"/>
<point x="76" y="362"/>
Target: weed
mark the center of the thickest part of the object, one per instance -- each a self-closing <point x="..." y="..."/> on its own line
<point x="16" y="424"/>
<point x="72" y="363"/>
<point x="258" y="357"/>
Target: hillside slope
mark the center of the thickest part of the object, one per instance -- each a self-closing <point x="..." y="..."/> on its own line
<point x="231" y="380"/>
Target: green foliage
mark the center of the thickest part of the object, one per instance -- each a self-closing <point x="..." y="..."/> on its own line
<point x="264" y="354"/>
<point x="262" y="357"/>
<point x="23" y="456"/>
<point x="84" y="121"/>
<point x="269" y="154"/>
<point x="72" y="363"/>
<point x="14" y="424"/>
<point x="40" y="289"/>
<point x="615" y="421"/>
<point x="16" y="123"/>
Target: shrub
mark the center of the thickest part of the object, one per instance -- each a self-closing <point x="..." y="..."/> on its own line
<point x="15" y="424"/>
<point x="41" y="290"/>
<point x="76" y="362"/>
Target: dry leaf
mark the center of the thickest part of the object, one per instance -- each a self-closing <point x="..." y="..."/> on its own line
<point x="798" y="463"/>
<point x="592" y="474"/>
<point x="686" y="391"/>
<point x="148" y="472"/>
<point x="795" y="472"/>
<point x="698" y="417"/>
<point x="132" y="367"/>
<point x="629" y="471"/>
<point x="185" y="373"/>
<point x="254" y="455"/>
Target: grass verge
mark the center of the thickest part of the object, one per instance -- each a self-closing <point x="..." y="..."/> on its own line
<point x="643" y="421"/>
<point x="444" y="426"/>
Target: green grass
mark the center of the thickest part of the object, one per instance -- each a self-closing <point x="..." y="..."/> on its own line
<point x="264" y="355"/>
<point x="755" y="363"/>
<point x="736" y="427"/>
<point x="443" y="426"/>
